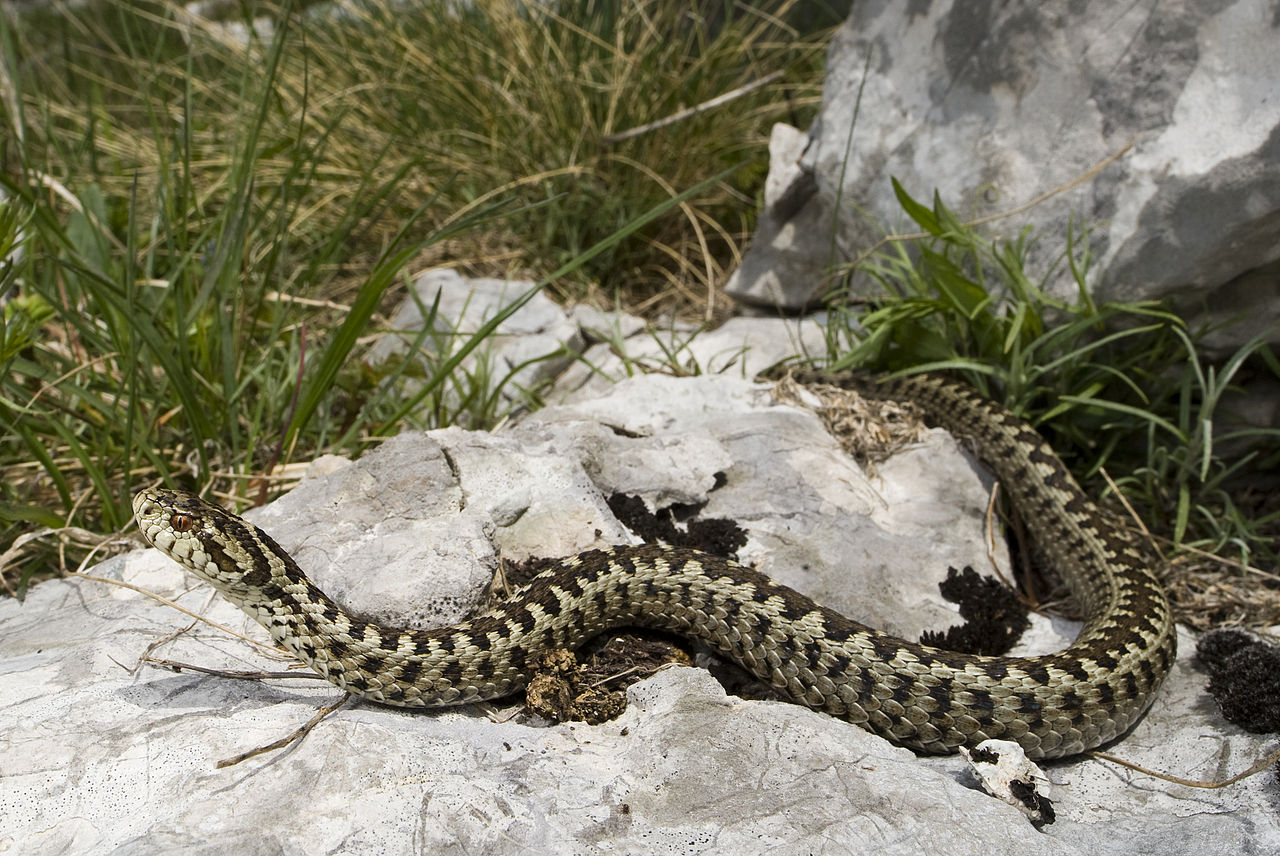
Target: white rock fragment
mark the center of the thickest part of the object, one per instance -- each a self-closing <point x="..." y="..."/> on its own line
<point x="1007" y="774"/>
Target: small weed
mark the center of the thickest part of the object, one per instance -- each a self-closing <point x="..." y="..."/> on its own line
<point x="1120" y="386"/>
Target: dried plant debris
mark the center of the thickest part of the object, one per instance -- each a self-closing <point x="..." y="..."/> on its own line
<point x="1244" y="677"/>
<point x="1208" y="593"/>
<point x="592" y="689"/>
<point x="870" y="430"/>
<point x="994" y="616"/>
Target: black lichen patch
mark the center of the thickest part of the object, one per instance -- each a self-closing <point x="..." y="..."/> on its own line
<point x="1244" y="678"/>
<point x="1040" y="806"/>
<point x="994" y="617"/>
<point x="984" y="756"/>
<point x="679" y="526"/>
<point x="717" y="536"/>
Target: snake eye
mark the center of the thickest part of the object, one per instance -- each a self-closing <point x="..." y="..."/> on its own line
<point x="182" y="522"/>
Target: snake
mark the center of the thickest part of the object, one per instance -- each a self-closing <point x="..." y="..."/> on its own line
<point x="931" y="700"/>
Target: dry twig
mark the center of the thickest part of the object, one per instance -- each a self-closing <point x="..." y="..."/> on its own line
<point x="681" y="115"/>
<point x="247" y="675"/>
<point x="289" y="739"/>
<point x="1258" y="767"/>
<point x="179" y="607"/>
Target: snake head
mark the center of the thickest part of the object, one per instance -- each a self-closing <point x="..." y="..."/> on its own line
<point x="190" y="531"/>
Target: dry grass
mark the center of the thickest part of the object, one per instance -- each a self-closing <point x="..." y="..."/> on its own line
<point x="198" y="217"/>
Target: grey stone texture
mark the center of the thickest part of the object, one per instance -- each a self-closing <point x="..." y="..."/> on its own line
<point x="103" y="755"/>
<point x="994" y="105"/>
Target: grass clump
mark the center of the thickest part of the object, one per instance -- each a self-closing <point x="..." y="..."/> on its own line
<point x="399" y="102"/>
<point x="1120" y="389"/>
<point x="200" y="225"/>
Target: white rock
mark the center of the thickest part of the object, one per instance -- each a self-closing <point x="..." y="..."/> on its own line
<point x="529" y="347"/>
<point x="96" y="758"/>
<point x="1010" y="776"/>
<point x="741" y="347"/>
<point x="996" y="106"/>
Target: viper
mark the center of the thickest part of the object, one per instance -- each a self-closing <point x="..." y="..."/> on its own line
<point x="925" y="698"/>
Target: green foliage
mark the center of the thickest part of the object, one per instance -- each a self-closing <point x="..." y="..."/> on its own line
<point x="1120" y="386"/>
<point x="390" y="103"/>
<point x="197" y="235"/>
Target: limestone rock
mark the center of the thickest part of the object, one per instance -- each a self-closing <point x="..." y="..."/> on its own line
<point x="100" y="756"/>
<point x="996" y="105"/>
<point x="529" y="347"/>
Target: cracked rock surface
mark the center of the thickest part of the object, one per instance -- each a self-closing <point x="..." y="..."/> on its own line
<point x="98" y="757"/>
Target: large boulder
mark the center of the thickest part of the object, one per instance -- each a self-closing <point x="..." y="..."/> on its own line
<point x="102" y="753"/>
<point x="995" y="106"/>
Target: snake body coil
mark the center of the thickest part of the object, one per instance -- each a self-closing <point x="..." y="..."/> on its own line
<point x="924" y="698"/>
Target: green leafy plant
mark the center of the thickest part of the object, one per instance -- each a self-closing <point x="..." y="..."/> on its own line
<point x="1120" y="386"/>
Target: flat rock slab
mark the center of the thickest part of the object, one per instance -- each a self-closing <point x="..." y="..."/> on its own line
<point x="97" y="756"/>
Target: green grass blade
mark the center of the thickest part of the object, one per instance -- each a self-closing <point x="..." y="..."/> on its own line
<point x="1118" y="407"/>
<point x="925" y="218"/>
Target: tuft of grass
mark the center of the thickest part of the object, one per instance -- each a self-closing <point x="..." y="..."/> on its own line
<point x="1117" y="387"/>
<point x="197" y="232"/>
<point x="153" y="339"/>
<point x="393" y="103"/>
